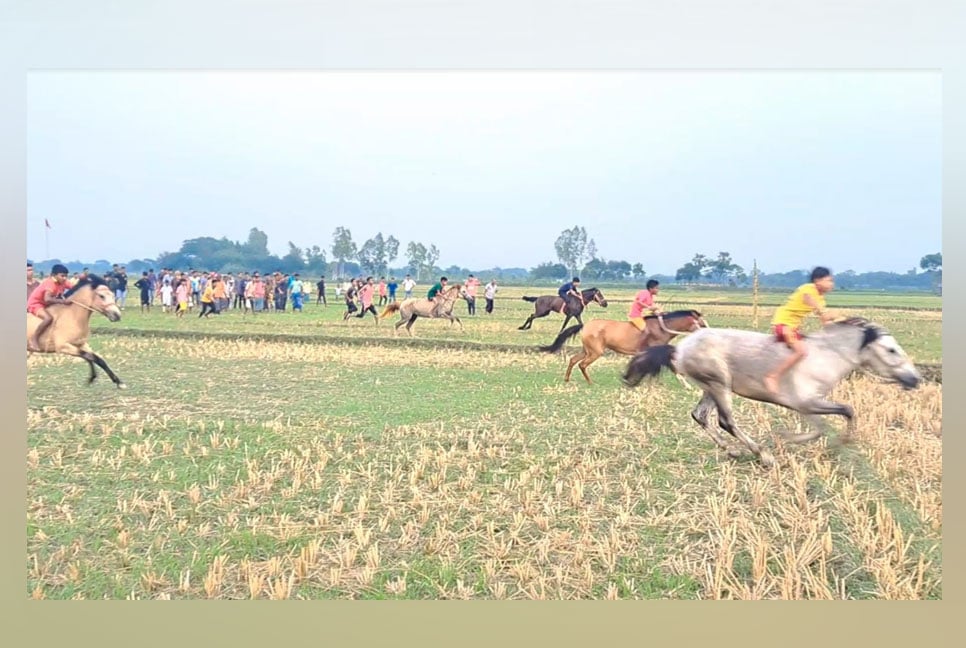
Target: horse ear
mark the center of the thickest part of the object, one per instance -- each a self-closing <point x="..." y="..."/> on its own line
<point x="870" y="335"/>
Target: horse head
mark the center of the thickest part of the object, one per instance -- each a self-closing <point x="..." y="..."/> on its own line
<point x="593" y="294"/>
<point x="881" y="353"/>
<point x="93" y="293"/>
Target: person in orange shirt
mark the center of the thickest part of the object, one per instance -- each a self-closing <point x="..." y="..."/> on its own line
<point x="786" y="324"/>
<point x="50" y="291"/>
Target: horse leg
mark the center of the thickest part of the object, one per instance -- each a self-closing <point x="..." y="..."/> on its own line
<point x="458" y="321"/>
<point x="103" y="365"/>
<point x="580" y="355"/>
<point x="90" y="361"/>
<point x="722" y="399"/>
<point x="565" y="323"/>
<point x="700" y="415"/>
<point x="586" y="362"/>
<point x="409" y="324"/>
<point x="526" y="324"/>
<point x="819" y="407"/>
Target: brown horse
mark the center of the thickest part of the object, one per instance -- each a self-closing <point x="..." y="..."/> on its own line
<point x="546" y="304"/>
<point x="414" y="307"/>
<point x="623" y="337"/>
<point x="71" y="328"/>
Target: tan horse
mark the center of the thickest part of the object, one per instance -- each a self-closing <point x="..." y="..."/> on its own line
<point x="623" y="337"/>
<point x="414" y="307"/>
<point x="71" y="328"/>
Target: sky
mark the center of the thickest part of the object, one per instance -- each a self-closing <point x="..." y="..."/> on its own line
<point x="790" y="168"/>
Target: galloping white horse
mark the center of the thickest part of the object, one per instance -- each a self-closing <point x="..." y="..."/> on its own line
<point x="726" y="361"/>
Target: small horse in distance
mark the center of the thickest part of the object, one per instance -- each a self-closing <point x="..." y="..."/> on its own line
<point x="414" y="307"/>
<point x="727" y="361"/>
<point x="69" y="332"/>
<point x="622" y="337"/>
<point x="546" y="304"/>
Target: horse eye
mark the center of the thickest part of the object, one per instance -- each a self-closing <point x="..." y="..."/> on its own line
<point x="893" y="351"/>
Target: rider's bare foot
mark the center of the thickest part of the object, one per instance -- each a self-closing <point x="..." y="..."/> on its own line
<point x="33" y="346"/>
<point x="771" y="384"/>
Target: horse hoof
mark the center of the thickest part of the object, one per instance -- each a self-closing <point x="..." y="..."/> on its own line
<point x="734" y="453"/>
<point x="121" y="386"/>
<point x="767" y="460"/>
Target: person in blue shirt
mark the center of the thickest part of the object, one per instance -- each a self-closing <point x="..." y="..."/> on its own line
<point x="568" y="292"/>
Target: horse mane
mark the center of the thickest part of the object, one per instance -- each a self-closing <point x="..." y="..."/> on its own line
<point x="92" y="280"/>
<point x="675" y="314"/>
<point x="871" y="331"/>
<point x="588" y="291"/>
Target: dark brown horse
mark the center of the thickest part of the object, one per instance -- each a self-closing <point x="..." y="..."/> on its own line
<point x="546" y="304"/>
<point x="623" y="337"/>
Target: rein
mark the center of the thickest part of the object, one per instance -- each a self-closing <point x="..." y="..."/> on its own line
<point x="73" y="301"/>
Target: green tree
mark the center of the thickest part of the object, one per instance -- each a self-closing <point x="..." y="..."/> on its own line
<point x="547" y="270"/>
<point x="416" y="257"/>
<point x="257" y="245"/>
<point x="693" y="270"/>
<point x="343" y="248"/>
<point x="571" y="247"/>
<point x="933" y="263"/>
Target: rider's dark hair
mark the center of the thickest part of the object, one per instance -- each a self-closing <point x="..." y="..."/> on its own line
<point x="575" y="280"/>
<point x="820" y="273"/>
<point x="652" y="283"/>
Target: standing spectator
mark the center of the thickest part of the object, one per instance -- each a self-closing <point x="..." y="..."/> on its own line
<point x="259" y="290"/>
<point x="220" y="293"/>
<point x="167" y="289"/>
<point x="241" y="282"/>
<point x="383" y="299"/>
<point x="408" y="285"/>
<point x="152" y="284"/>
<point x="281" y="292"/>
<point x="321" y="298"/>
<point x="391" y="286"/>
<point x="32" y="281"/>
<point x="297" y="295"/>
<point x="120" y="294"/>
<point x="470" y="286"/>
<point x="489" y="293"/>
<point x="144" y="286"/>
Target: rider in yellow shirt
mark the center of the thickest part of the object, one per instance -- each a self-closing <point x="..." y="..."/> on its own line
<point x="786" y="324"/>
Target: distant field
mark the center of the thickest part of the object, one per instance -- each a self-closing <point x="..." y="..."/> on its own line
<point x="299" y="456"/>
<point x="920" y="331"/>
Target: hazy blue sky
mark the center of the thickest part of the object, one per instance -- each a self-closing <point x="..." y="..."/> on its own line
<point x="792" y="168"/>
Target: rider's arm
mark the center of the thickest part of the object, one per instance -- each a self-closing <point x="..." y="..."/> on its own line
<point x="821" y="312"/>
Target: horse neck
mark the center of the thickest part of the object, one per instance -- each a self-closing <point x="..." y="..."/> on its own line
<point x="839" y="352"/>
<point x="75" y="311"/>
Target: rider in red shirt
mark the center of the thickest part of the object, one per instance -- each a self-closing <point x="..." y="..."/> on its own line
<point x="50" y="291"/>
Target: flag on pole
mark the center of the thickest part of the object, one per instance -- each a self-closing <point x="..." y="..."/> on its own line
<point x="47" y="223"/>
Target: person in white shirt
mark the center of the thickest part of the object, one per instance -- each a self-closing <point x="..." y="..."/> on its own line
<point x="489" y="293"/>
<point x="408" y="285"/>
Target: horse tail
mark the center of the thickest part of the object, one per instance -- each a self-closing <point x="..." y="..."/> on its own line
<point x="390" y="309"/>
<point x="649" y="364"/>
<point x="530" y="299"/>
<point x="565" y="335"/>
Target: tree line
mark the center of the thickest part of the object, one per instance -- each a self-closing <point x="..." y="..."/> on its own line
<point x="576" y="254"/>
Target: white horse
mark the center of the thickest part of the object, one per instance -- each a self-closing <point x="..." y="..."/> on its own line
<point x="726" y="361"/>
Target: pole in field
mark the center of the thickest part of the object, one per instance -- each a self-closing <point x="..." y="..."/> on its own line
<point x="754" y="294"/>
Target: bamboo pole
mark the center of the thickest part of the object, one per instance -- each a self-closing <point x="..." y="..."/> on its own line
<point x="754" y="294"/>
